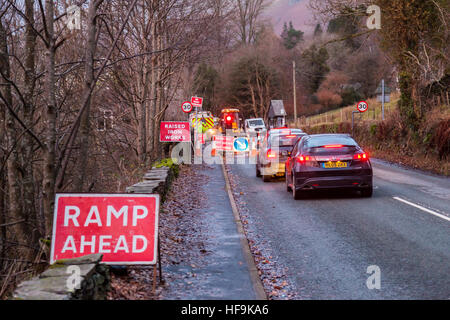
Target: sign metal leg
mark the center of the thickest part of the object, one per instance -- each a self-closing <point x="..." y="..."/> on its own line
<point x="154" y="280"/>
<point x="161" y="279"/>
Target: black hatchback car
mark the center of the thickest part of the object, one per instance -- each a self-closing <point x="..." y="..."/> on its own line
<point x="328" y="161"/>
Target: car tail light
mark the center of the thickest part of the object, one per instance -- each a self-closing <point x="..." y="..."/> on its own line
<point x="333" y="146"/>
<point x="303" y="159"/>
<point x="309" y="161"/>
<point x="279" y="128"/>
<point x="360" y="156"/>
<point x="271" y="154"/>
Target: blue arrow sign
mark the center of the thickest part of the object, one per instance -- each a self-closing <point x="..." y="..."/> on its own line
<point x="241" y="144"/>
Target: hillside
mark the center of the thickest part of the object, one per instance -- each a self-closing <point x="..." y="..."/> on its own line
<point x="291" y="10"/>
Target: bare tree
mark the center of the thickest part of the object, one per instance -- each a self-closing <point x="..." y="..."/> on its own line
<point x="247" y="18"/>
<point x="80" y="109"/>
<point x="85" y="127"/>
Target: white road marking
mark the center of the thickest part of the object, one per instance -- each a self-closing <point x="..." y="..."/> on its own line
<point x="423" y="209"/>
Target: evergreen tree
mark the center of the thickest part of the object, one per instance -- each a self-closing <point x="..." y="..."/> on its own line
<point x="318" y="30"/>
<point x="291" y="37"/>
<point x="314" y="67"/>
<point x="345" y="26"/>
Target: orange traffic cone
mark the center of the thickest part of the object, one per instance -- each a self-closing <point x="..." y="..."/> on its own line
<point x="198" y="149"/>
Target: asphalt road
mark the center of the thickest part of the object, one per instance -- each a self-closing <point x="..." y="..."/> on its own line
<point x="327" y="241"/>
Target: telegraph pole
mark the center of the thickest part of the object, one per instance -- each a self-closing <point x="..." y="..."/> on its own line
<point x="295" y="92"/>
<point x="382" y="99"/>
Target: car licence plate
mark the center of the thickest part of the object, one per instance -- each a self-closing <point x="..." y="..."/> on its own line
<point x="334" y="164"/>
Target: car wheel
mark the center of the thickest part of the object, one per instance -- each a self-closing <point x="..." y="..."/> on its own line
<point x="296" y="194"/>
<point x="258" y="172"/>
<point x="266" y="178"/>
<point x="367" y="193"/>
<point x="288" y="188"/>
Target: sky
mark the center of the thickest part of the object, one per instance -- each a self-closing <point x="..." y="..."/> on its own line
<point x="291" y="10"/>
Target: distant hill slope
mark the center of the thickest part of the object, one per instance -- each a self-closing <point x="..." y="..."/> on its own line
<point x="291" y="10"/>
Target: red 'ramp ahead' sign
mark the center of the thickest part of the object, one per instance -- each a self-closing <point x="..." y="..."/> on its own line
<point x="122" y="227"/>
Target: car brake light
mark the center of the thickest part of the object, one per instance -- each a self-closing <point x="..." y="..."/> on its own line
<point x="271" y="154"/>
<point x="334" y="146"/>
<point x="361" y="156"/>
<point x="228" y="118"/>
<point x="303" y="159"/>
<point x="309" y="161"/>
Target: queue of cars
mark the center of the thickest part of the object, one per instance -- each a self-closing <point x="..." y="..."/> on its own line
<point x="314" y="162"/>
<point x="308" y="162"/>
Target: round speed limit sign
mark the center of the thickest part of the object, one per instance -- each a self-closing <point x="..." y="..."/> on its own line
<point x="186" y="107"/>
<point x="362" y="106"/>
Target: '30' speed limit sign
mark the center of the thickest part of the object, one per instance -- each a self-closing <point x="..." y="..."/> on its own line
<point x="362" y="106"/>
<point x="186" y="107"/>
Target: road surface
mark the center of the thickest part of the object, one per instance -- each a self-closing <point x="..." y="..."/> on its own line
<point x="327" y="241"/>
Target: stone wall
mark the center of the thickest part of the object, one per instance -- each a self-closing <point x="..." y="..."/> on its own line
<point x="157" y="180"/>
<point x="57" y="282"/>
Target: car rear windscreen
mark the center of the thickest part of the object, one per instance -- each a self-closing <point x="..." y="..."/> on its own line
<point x="330" y="144"/>
<point x="285" y="140"/>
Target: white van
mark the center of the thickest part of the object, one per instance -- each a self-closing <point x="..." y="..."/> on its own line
<point x="254" y="125"/>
